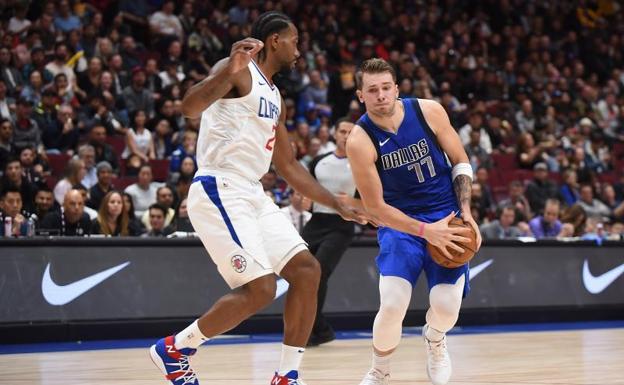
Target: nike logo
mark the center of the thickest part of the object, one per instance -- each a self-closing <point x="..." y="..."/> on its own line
<point x="261" y="84"/>
<point x="479" y="268"/>
<point x="64" y="294"/>
<point x="597" y="284"/>
<point x="381" y="143"/>
<point x="282" y="288"/>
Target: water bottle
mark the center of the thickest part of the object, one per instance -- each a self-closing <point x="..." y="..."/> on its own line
<point x="8" y="226"/>
<point x="32" y="221"/>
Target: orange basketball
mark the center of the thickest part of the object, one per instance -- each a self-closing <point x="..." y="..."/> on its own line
<point x="460" y="259"/>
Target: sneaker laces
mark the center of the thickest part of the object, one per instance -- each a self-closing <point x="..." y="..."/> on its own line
<point x="438" y="353"/>
<point x="377" y="375"/>
<point x="187" y="374"/>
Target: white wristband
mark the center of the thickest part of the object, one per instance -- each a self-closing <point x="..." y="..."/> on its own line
<point x="462" y="169"/>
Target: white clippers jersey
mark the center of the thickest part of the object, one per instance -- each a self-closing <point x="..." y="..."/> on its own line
<point x="238" y="135"/>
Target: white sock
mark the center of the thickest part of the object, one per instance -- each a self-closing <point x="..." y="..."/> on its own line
<point x="381" y="363"/>
<point x="434" y="335"/>
<point x="191" y="337"/>
<point x="291" y="359"/>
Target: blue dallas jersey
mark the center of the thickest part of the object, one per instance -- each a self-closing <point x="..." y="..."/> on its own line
<point x="414" y="171"/>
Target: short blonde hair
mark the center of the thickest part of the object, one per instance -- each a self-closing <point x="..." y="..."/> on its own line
<point x="373" y="66"/>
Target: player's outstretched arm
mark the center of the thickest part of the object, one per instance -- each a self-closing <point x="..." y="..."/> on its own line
<point x="223" y="77"/>
<point x="362" y="156"/>
<point x="438" y="120"/>
<point x="301" y="180"/>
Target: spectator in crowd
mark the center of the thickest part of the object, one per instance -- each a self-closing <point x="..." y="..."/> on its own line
<point x="89" y="80"/>
<point x="65" y="20"/>
<point x="540" y="188"/>
<point x="85" y="197"/>
<point x="31" y="169"/>
<point x="518" y="200"/>
<point x="112" y="220"/>
<point x="26" y="132"/>
<point x="60" y="135"/>
<point x="143" y="192"/>
<point x="165" y="198"/>
<point x="59" y="64"/>
<point x="104" y="184"/>
<point x="13" y="178"/>
<point x="6" y="139"/>
<point x="157" y="221"/>
<point x="134" y="224"/>
<point x="569" y="190"/>
<point x="103" y="151"/>
<point x="593" y="207"/>
<point x="181" y="220"/>
<point x="477" y="155"/>
<point x="34" y="88"/>
<point x="9" y="74"/>
<point x="86" y="153"/>
<point x="181" y="181"/>
<point x="503" y="227"/>
<point x="298" y="210"/>
<point x="327" y="145"/>
<point x="165" y="24"/>
<point x="139" y="139"/>
<point x="71" y="220"/>
<point x="136" y="96"/>
<point x="547" y="225"/>
<point x="574" y="217"/>
<point x="44" y="203"/>
<point x="186" y="149"/>
<point x="475" y="123"/>
<point x="11" y="206"/>
<point x="610" y="200"/>
<point x="162" y="142"/>
<point x="74" y="173"/>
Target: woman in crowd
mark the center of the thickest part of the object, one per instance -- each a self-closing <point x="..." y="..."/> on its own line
<point x="112" y="219"/>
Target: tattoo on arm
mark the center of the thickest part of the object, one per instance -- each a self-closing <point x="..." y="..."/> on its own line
<point x="463" y="188"/>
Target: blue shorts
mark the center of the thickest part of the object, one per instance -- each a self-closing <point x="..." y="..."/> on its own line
<point x="404" y="255"/>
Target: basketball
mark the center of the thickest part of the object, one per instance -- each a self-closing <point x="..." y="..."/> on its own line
<point x="459" y="259"/>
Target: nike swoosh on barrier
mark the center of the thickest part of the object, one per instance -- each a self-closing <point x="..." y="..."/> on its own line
<point x="479" y="268"/>
<point x="64" y="294"/>
<point x="282" y="288"/>
<point x="597" y="284"/>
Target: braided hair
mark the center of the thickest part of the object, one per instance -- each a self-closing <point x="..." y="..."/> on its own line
<point x="269" y="23"/>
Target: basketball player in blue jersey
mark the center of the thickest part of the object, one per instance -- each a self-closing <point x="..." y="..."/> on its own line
<point x="398" y="154"/>
<point x="247" y="236"/>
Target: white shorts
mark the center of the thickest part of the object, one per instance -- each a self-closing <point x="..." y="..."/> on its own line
<point x="245" y="233"/>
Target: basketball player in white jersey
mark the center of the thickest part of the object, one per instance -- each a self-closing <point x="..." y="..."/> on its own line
<point x="249" y="239"/>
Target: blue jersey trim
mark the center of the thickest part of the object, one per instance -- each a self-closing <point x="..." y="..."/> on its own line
<point x="209" y="183"/>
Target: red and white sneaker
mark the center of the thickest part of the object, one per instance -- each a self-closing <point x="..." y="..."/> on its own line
<point x="290" y="378"/>
<point x="174" y="363"/>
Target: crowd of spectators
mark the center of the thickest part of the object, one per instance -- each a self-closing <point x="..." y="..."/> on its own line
<point x="93" y="141"/>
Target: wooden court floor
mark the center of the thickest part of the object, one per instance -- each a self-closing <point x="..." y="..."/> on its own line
<point x="588" y="357"/>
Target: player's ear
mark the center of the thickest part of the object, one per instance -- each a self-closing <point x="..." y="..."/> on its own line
<point x="396" y="90"/>
<point x="274" y="40"/>
<point x="358" y="93"/>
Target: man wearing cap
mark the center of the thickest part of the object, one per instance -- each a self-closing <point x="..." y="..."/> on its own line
<point x="136" y="96"/>
<point x="540" y="188"/>
<point x="27" y="133"/>
<point x="104" y="184"/>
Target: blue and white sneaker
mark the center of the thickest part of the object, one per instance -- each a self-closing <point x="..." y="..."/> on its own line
<point x="174" y="363"/>
<point x="290" y="378"/>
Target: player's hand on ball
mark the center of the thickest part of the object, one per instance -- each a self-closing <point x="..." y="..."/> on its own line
<point x="440" y="235"/>
<point x="241" y="54"/>
<point x="468" y="218"/>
